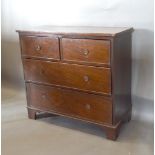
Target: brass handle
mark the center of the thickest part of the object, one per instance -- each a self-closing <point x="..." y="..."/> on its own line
<point x="38" y="48"/>
<point x="88" y="106"/>
<point x="86" y="78"/>
<point x="43" y="96"/>
<point x="85" y="52"/>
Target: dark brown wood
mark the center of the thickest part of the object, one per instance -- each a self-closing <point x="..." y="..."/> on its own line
<point x="77" y="31"/>
<point x="35" y="113"/>
<point x="86" y="50"/>
<point x="31" y="113"/>
<point x="112" y="132"/>
<point x="81" y="105"/>
<point x="41" y="47"/>
<point x="121" y="76"/>
<point x="79" y="72"/>
<point x="86" y="78"/>
<point x="127" y="117"/>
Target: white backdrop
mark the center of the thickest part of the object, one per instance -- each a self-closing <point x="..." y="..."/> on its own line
<point x="19" y="14"/>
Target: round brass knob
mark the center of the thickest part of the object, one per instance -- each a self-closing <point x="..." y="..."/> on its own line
<point x="88" y="106"/>
<point x="43" y="96"/>
<point x="38" y="48"/>
<point x="85" y="52"/>
<point x="86" y="78"/>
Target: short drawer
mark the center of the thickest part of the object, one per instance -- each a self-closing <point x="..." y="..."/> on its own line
<point x="94" y="108"/>
<point x="87" y="78"/>
<point x="86" y="50"/>
<point x="41" y="47"/>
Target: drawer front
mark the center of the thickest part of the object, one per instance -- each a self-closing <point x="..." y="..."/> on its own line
<point x="41" y="47"/>
<point x="87" y="78"/>
<point x="86" y="50"/>
<point x="72" y="103"/>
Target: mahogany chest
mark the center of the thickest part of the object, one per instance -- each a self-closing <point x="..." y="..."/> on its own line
<point x="79" y="72"/>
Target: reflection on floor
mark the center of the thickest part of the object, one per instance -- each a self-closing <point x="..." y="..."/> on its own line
<point x="63" y="136"/>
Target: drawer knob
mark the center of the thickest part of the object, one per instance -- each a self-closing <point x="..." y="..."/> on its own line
<point x="88" y="106"/>
<point x="85" y="52"/>
<point x="43" y="96"/>
<point x="86" y="78"/>
<point x="38" y="48"/>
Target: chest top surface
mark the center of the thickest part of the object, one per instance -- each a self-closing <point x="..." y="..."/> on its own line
<point x="87" y="30"/>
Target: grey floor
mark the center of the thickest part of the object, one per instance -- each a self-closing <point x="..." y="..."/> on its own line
<point x="63" y="136"/>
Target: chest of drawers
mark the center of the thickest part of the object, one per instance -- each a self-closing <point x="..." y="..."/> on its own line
<point x="79" y="72"/>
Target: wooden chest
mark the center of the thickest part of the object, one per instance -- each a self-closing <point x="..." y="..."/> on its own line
<point x="79" y="72"/>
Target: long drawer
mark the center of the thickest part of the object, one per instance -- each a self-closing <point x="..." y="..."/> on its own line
<point x="86" y="78"/>
<point x="91" y="107"/>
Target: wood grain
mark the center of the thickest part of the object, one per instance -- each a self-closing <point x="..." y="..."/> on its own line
<point x="40" y="47"/>
<point x="82" y="105"/>
<point x="78" y="30"/>
<point x="86" y="78"/>
<point x="79" y="72"/>
<point x="86" y="50"/>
